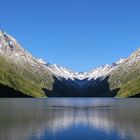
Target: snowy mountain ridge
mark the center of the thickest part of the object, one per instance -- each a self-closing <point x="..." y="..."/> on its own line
<point x="99" y="72"/>
<point x="11" y="48"/>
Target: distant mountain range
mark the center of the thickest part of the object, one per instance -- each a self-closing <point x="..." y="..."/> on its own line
<point x="22" y="75"/>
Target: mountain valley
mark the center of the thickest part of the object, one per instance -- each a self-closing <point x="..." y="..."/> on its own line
<point x="22" y="75"/>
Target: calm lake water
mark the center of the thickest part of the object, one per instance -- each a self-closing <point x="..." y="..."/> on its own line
<point x="70" y="119"/>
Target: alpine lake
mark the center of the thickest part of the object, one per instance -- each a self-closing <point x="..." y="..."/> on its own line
<point x="69" y="119"/>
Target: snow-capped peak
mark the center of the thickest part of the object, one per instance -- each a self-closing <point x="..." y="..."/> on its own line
<point x="61" y="72"/>
<point x="99" y="72"/>
<point x="42" y="61"/>
<point x="11" y="48"/>
<point x="120" y="61"/>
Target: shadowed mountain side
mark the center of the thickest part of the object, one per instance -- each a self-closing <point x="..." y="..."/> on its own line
<point x="136" y="96"/>
<point x="63" y="88"/>
<point x="100" y="88"/>
<point x="6" y="91"/>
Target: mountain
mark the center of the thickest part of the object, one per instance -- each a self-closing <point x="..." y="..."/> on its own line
<point x="20" y="70"/>
<point x="22" y="75"/>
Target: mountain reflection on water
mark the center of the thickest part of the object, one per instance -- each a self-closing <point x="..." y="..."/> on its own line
<point x="68" y="119"/>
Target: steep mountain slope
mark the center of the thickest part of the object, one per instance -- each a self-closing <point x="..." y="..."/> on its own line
<point x="22" y="75"/>
<point x="127" y="76"/>
<point x="19" y="70"/>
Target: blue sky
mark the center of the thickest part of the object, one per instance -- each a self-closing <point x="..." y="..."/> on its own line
<point x="78" y="34"/>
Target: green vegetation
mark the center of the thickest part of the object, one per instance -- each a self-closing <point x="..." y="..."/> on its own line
<point x="127" y="80"/>
<point x="131" y="88"/>
<point x="20" y="79"/>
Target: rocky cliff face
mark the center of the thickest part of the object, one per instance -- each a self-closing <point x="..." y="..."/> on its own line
<point x="22" y="72"/>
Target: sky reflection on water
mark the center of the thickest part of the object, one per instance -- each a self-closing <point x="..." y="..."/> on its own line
<point x="69" y="119"/>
